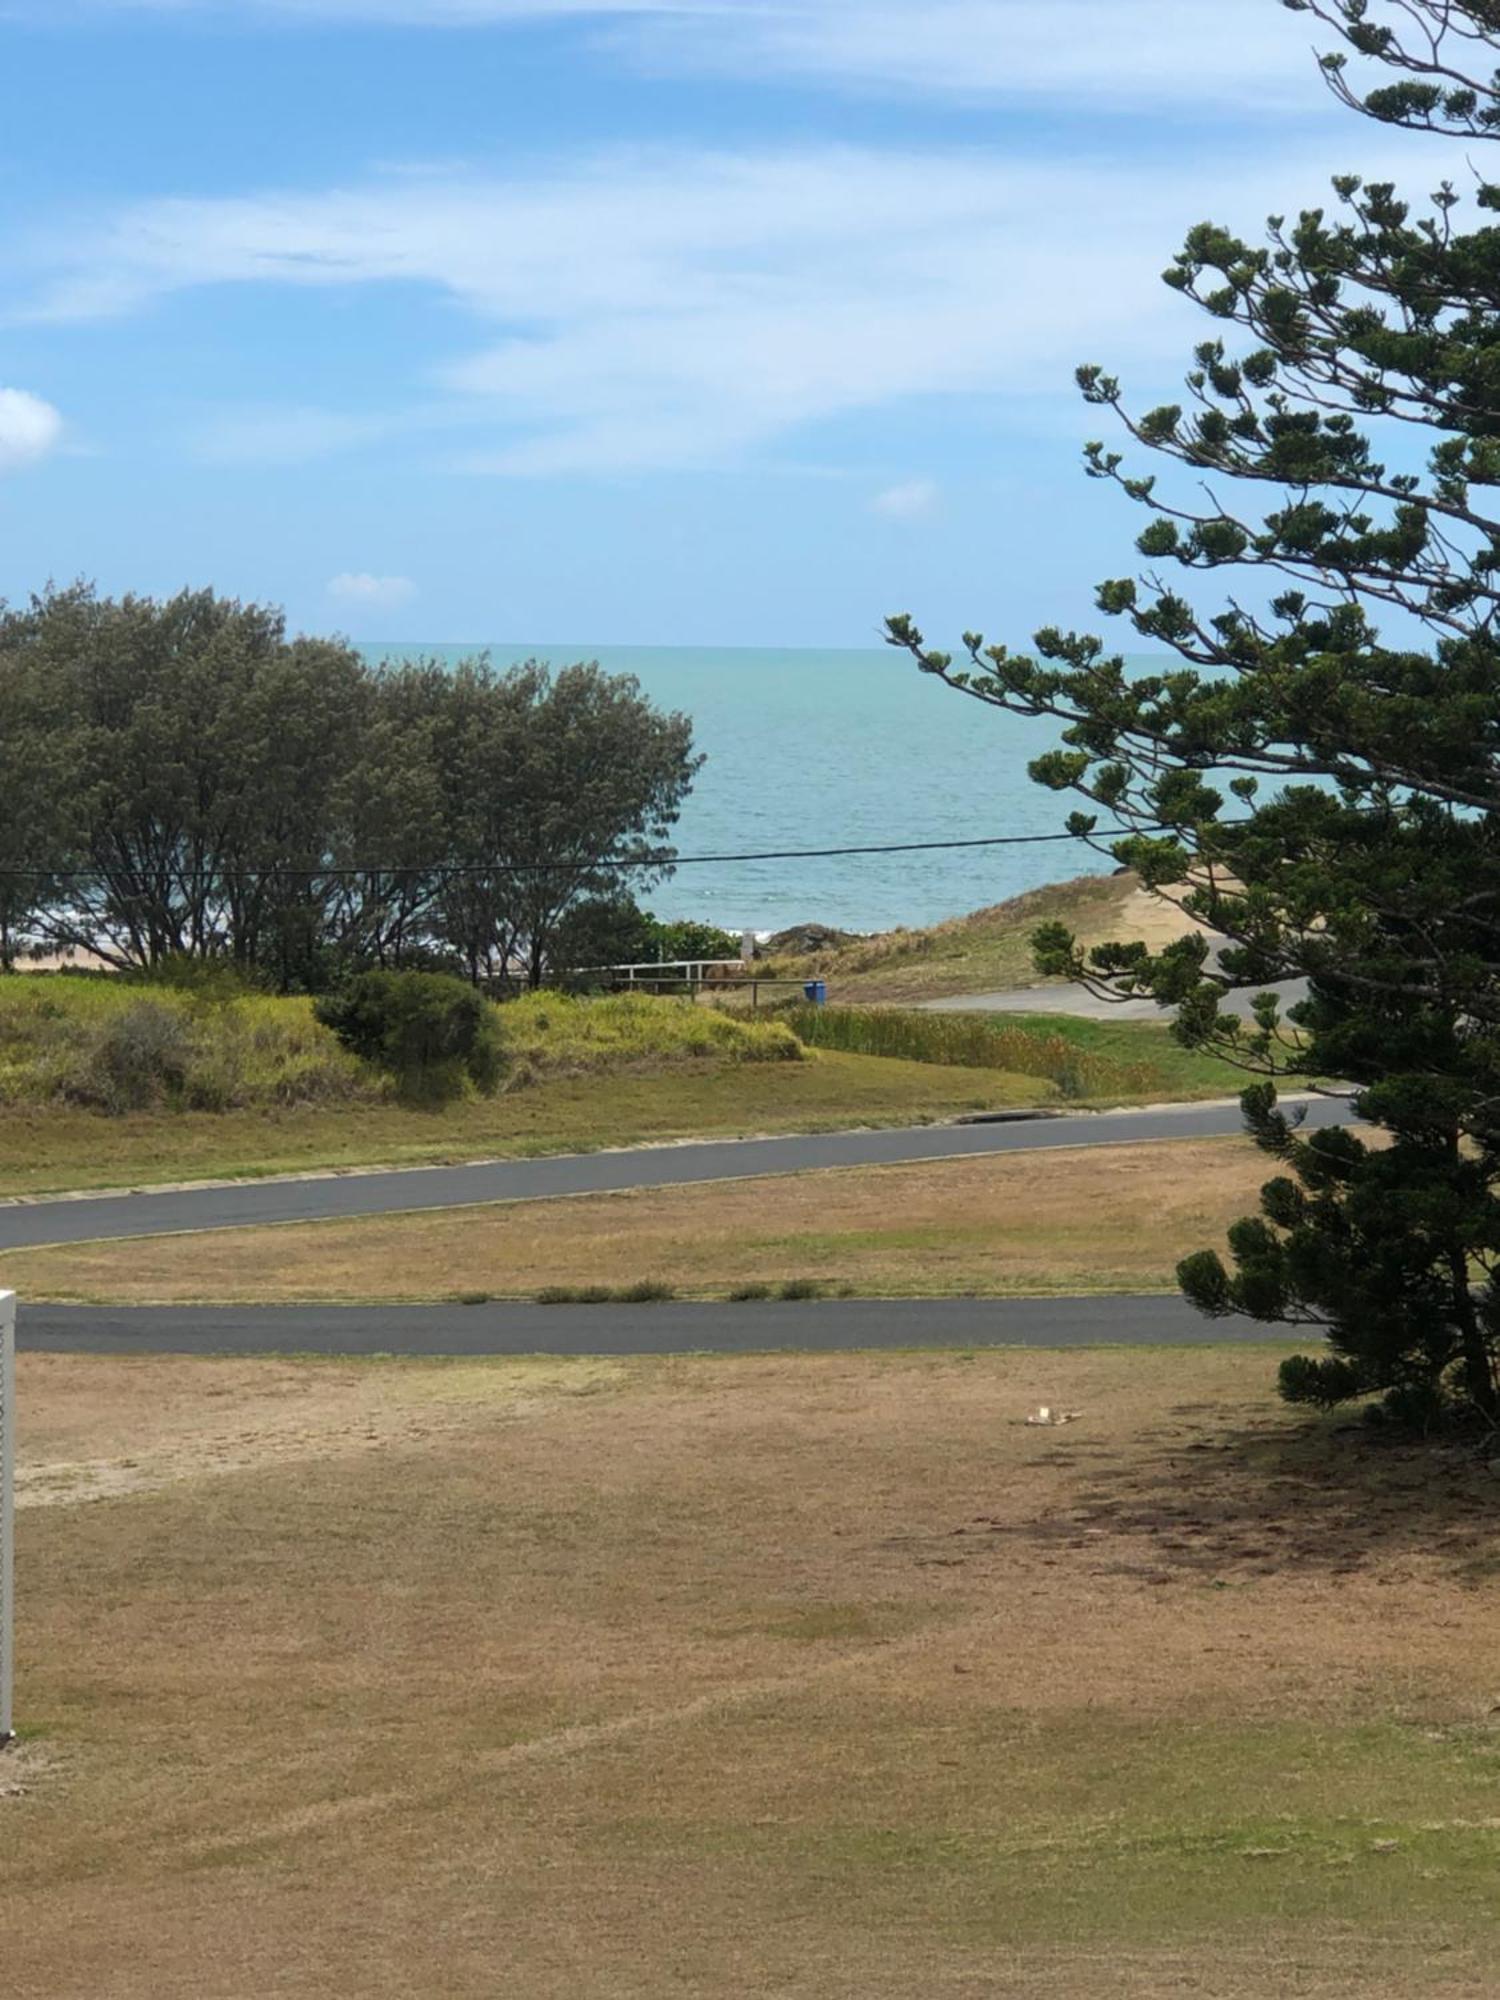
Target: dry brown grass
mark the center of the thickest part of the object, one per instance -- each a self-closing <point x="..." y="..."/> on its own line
<point x="1106" y="1218"/>
<point x="808" y="1677"/>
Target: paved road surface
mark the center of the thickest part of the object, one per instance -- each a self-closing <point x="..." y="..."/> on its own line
<point x="816" y="1326"/>
<point x="1077" y="1000"/>
<point x="329" y="1197"/>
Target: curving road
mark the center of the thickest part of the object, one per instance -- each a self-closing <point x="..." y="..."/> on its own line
<point x="321" y="1198"/>
<point x="1067" y="998"/>
<point x="820" y="1326"/>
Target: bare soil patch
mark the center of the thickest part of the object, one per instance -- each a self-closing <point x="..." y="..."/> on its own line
<point x="798" y="1676"/>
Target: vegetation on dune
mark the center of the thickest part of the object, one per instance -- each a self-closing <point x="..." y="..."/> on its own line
<point x="1318" y="781"/>
<point x="120" y="1046"/>
<point x="433" y="1035"/>
<point x="988" y="950"/>
<point x="114" y="1046"/>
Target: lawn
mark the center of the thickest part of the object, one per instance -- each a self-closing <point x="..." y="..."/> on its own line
<point x="1097" y="1218"/>
<point x="824" y="1678"/>
<point x="53" y="1147"/>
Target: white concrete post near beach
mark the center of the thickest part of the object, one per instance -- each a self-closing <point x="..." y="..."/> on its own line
<point x="7" y="1514"/>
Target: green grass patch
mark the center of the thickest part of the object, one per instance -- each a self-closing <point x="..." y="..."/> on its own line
<point x="647" y="1291"/>
<point x="572" y="1110"/>
<point x="1083" y="1061"/>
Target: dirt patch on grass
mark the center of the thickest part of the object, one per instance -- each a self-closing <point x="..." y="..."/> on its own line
<point x="798" y="1676"/>
<point x="134" y="1426"/>
<point x="1098" y="1218"/>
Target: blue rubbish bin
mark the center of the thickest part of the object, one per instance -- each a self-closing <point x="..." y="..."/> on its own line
<point x="817" y="991"/>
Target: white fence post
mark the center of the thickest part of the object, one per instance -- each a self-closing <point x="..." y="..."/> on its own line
<point x="7" y="1514"/>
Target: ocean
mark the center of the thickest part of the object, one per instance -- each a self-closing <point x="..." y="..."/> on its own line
<point x="834" y="749"/>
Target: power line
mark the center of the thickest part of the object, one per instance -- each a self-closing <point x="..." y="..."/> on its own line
<point x="352" y="870"/>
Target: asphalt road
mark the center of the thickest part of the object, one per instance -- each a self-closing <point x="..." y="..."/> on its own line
<point x="817" y="1326"/>
<point x="153" y="1212"/>
<point x="1079" y="1001"/>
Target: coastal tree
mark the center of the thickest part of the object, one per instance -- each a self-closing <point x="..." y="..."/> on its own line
<point x="564" y="787"/>
<point x="197" y="749"/>
<point x="1317" y="774"/>
<point x="183" y="778"/>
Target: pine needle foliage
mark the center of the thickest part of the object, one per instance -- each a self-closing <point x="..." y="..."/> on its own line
<point x="1317" y="774"/>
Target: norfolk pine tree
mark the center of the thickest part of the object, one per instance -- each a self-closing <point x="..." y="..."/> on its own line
<point x="1319" y="779"/>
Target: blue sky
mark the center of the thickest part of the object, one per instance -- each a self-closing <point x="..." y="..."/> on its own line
<point x="731" y="323"/>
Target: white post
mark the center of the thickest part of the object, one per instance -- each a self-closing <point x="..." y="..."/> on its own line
<point x="7" y="1514"/>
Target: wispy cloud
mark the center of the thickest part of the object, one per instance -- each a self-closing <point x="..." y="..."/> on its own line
<point x="30" y="429"/>
<point x="1142" y="52"/>
<point x="371" y="593"/>
<point x="913" y="500"/>
<point x="675" y="308"/>
<point x="1138" y="53"/>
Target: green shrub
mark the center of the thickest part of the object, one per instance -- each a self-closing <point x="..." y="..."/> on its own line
<point x="800" y="1288"/>
<point x="139" y="1058"/>
<point x="432" y="1033"/>
<point x="649" y="1291"/>
<point x="742" y="1294"/>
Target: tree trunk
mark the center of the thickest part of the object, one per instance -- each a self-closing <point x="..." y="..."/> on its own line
<point x="1474" y="1348"/>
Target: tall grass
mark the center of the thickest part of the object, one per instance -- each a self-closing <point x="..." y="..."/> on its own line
<point x="969" y="1041"/>
<point x="562" y="1032"/>
<point x="118" y="1045"/>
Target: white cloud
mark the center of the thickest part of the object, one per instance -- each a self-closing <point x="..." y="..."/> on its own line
<point x="1148" y="52"/>
<point x="1137" y="52"/>
<point x="911" y="501"/>
<point x="678" y="308"/>
<point x="373" y="593"/>
<point x="29" y="429"/>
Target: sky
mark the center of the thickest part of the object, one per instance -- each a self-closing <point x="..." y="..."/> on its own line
<point x="654" y="322"/>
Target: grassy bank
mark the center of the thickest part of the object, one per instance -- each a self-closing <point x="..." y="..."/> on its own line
<point x="1096" y="1062"/>
<point x="118" y="1045"/>
<point x="52" y="1148"/>
<point x="106" y="1083"/>
<point x="821" y="1677"/>
<point x="1105" y="1219"/>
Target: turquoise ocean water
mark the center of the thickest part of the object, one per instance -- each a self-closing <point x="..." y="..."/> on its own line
<point x="834" y="749"/>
